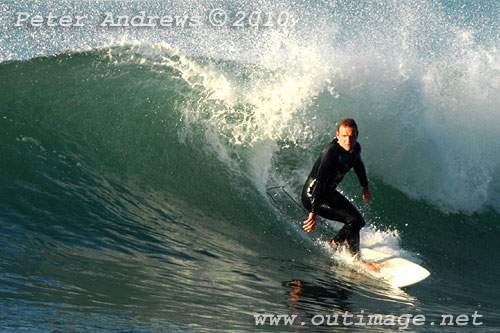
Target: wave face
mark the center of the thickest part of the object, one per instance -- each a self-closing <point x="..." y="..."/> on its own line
<point x="421" y="78"/>
<point x="136" y="161"/>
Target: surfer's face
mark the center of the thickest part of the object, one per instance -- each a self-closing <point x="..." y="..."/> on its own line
<point x="347" y="137"/>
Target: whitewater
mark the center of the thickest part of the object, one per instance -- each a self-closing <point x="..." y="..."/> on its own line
<point x="153" y="154"/>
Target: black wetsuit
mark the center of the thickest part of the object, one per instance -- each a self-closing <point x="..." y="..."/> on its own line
<point x="320" y="196"/>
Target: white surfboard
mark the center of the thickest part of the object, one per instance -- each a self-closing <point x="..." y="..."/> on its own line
<point x="396" y="271"/>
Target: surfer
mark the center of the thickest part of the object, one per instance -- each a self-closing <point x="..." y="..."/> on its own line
<point x="320" y="196"/>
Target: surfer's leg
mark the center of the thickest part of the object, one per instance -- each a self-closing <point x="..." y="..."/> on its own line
<point x="338" y="208"/>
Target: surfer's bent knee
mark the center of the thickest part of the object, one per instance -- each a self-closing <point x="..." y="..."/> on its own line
<point x="357" y="221"/>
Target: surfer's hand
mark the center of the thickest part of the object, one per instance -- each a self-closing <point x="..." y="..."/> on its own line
<point x="367" y="195"/>
<point x="309" y="223"/>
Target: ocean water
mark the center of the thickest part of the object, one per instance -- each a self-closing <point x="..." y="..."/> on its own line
<point x="149" y="172"/>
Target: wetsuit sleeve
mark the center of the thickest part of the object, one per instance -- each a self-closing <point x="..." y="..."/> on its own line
<point x="327" y="161"/>
<point x="359" y="168"/>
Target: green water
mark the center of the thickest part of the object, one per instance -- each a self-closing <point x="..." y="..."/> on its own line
<point x="128" y="205"/>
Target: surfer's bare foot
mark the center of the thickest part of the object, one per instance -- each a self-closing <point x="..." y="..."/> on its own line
<point x="372" y="265"/>
<point x="334" y="244"/>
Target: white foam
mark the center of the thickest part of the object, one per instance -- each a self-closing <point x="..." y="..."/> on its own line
<point x="426" y="105"/>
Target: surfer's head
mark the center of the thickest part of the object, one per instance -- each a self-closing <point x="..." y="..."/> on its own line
<point x="347" y="133"/>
